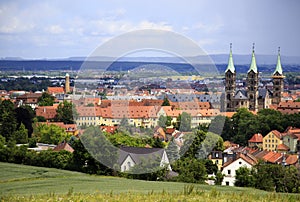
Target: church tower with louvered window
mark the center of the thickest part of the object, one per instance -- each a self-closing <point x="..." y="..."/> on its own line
<point x="278" y="84"/>
<point x="230" y="79"/>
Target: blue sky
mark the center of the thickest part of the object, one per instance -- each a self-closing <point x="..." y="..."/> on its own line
<point x="58" y="29"/>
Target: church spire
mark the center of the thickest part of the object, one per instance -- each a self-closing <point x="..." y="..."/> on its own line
<point x="253" y="66"/>
<point x="230" y="66"/>
<point x="278" y="66"/>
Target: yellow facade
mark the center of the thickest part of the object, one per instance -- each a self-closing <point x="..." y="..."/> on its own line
<point x="218" y="162"/>
<point x="271" y="141"/>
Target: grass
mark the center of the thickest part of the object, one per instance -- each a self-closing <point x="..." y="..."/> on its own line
<point x="29" y="183"/>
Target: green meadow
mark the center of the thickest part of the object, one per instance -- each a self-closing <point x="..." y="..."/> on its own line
<point x="29" y="183"/>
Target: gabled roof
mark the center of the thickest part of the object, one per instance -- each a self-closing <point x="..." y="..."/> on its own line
<point x="140" y="154"/>
<point x="64" y="146"/>
<point x="240" y="96"/>
<point x="291" y="159"/>
<point x="251" y="160"/>
<point x="282" y="147"/>
<point x="253" y="66"/>
<point x="230" y="66"/>
<point x="256" y="138"/>
<point x="278" y="69"/>
<point x="55" y="90"/>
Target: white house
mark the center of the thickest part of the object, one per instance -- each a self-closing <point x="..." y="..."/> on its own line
<point x="230" y="167"/>
<point x="131" y="156"/>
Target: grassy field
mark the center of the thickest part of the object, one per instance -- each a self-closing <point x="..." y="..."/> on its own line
<point x="28" y="183"/>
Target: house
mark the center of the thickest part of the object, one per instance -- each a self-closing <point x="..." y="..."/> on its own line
<point x="131" y="156"/>
<point x="48" y="112"/>
<point x="230" y="167"/>
<point x="217" y="158"/>
<point x="55" y="90"/>
<point x="64" y="146"/>
<point x="292" y="139"/>
<point x="272" y="140"/>
<point x="30" y="99"/>
<point x="256" y="141"/>
<point x="289" y="107"/>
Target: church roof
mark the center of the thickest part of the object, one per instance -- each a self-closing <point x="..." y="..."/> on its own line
<point x="253" y="66"/>
<point x="262" y="92"/>
<point x="240" y="95"/>
<point x="278" y="66"/>
<point x="230" y="66"/>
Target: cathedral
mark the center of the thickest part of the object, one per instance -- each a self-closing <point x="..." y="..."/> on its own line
<point x="252" y="97"/>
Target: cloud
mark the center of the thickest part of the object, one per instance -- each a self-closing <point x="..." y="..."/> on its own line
<point x="54" y="29"/>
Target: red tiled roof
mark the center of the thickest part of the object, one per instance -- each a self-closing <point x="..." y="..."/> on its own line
<point x="256" y="138"/>
<point x="55" y="90"/>
<point x="291" y="159"/>
<point x="64" y="146"/>
<point x="282" y="147"/>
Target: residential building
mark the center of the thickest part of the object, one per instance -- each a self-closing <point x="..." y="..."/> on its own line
<point x="256" y="141"/>
<point x="272" y="140"/>
<point x="48" y="112"/>
<point x="30" y="99"/>
<point x="230" y="167"/>
<point x="131" y="156"/>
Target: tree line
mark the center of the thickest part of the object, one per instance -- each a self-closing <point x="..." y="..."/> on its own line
<point x="244" y="124"/>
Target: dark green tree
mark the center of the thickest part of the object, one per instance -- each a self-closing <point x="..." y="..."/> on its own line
<point x="66" y="113"/>
<point x="46" y="99"/>
<point x="190" y="170"/>
<point x="162" y="120"/>
<point x="21" y="135"/>
<point x="172" y="151"/>
<point x="244" y="177"/>
<point x="166" y="102"/>
<point x="192" y="144"/>
<point x="184" y="122"/>
<point x="25" y="115"/>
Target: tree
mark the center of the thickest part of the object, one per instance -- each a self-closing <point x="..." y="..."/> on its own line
<point x="192" y="144"/>
<point x="173" y="151"/>
<point x="244" y="177"/>
<point x="244" y="126"/>
<point x="50" y="134"/>
<point x="8" y="125"/>
<point x="190" y="170"/>
<point x="21" y="135"/>
<point x="184" y="122"/>
<point x="46" y="99"/>
<point x="162" y="121"/>
<point x="269" y="120"/>
<point x="219" y="178"/>
<point x="66" y="113"/>
<point x="166" y="102"/>
<point x="25" y="115"/>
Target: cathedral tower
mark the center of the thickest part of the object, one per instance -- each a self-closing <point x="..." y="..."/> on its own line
<point x="252" y="84"/>
<point x="230" y="85"/>
<point x="67" y="83"/>
<point x="278" y="83"/>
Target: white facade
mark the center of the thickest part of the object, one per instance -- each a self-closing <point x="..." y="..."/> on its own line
<point x="229" y="171"/>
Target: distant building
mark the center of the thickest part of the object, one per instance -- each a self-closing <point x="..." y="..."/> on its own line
<point x="256" y="141"/>
<point x="253" y="97"/>
<point x="67" y="83"/>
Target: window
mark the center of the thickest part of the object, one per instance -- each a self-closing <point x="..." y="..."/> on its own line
<point x="217" y="155"/>
<point x="128" y="164"/>
<point x="227" y="183"/>
<point x="228" y="172"/>
<point x="240" y="162"/>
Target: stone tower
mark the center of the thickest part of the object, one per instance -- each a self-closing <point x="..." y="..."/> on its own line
<point x="278" y="83"/>
<point x="67" y="83"/>
<point x="252" y="84"/>
<point x="230" y="84"/>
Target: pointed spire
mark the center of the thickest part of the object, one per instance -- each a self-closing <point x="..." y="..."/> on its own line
<point x="230" y="66"/>
<point x="278" y="66"/>
<point x="253" y="66"/>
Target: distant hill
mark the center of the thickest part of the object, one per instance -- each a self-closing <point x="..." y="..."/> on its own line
<point x="265" y="63"/>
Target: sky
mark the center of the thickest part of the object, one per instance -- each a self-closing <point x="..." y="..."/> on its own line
<point x="73" y="28"/>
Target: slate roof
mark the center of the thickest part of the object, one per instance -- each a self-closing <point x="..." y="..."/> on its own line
<point x="139" y="154"/>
